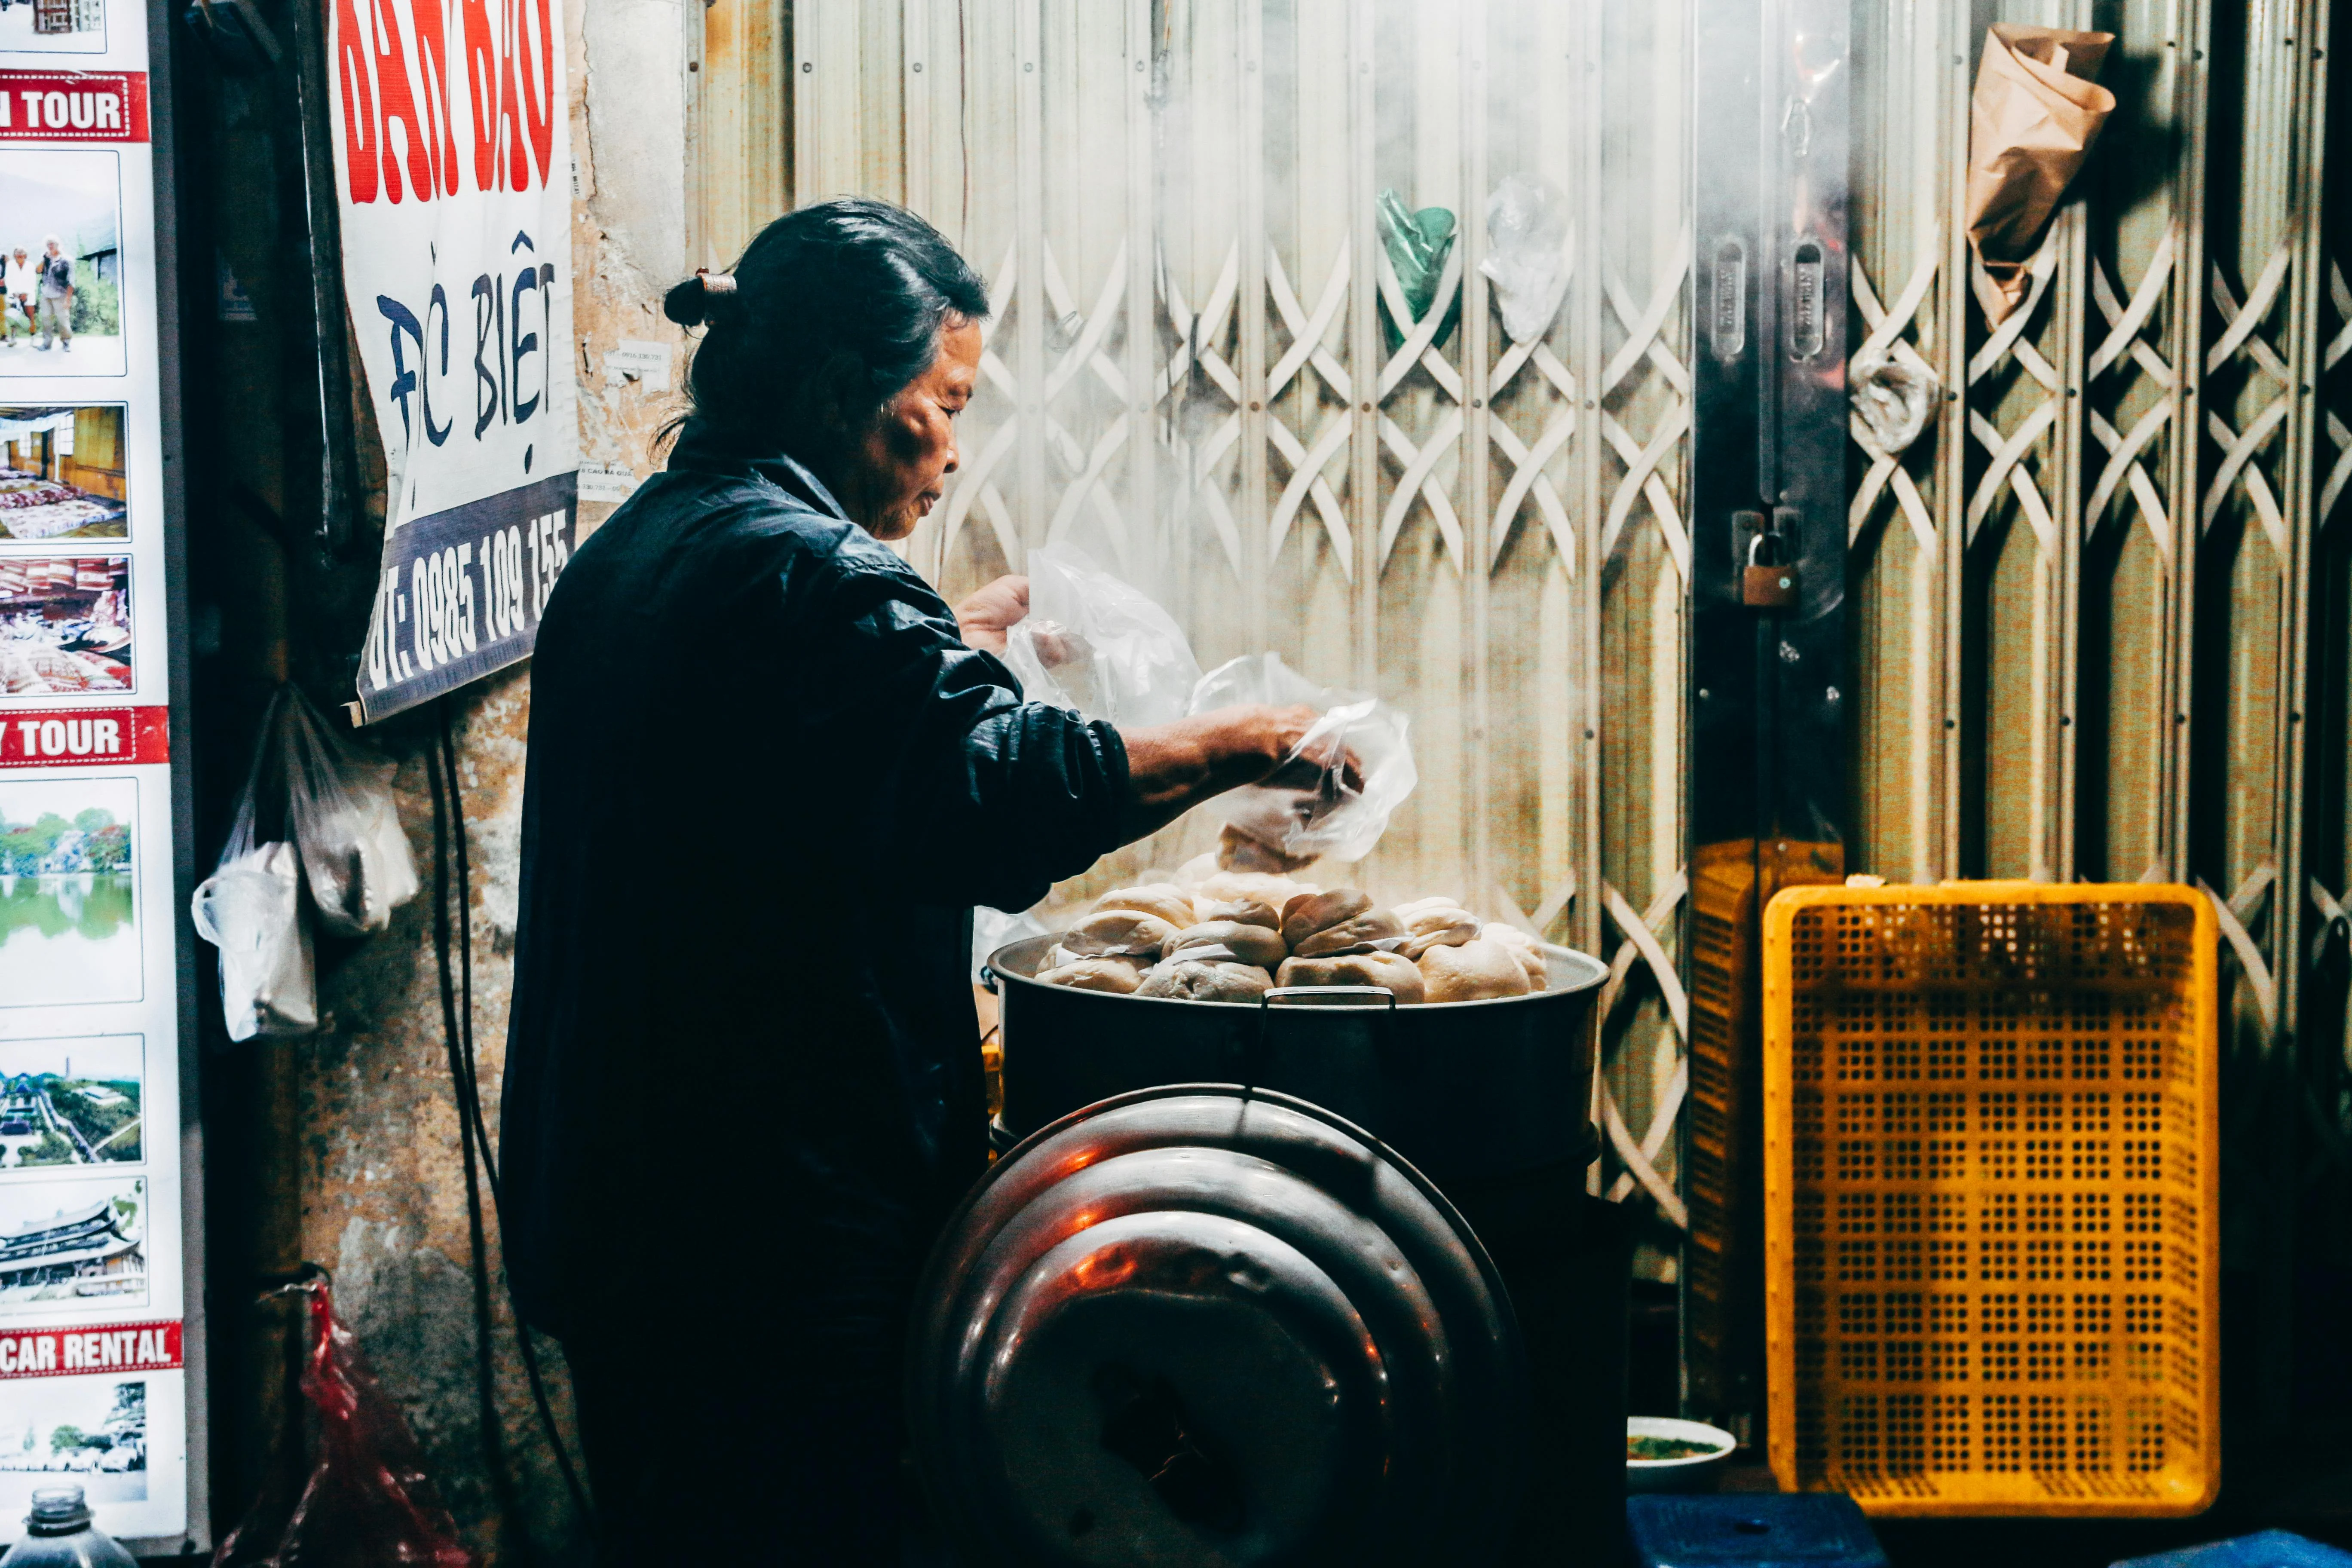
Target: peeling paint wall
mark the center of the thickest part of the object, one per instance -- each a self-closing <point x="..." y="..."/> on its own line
<point x="380" y="1171"/>
<point x="383" y="1187"/>
<point x="346" y="1149"/>
<point x="630" y="134"/>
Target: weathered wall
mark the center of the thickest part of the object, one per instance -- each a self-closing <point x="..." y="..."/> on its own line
<point x="344" y="1150"/>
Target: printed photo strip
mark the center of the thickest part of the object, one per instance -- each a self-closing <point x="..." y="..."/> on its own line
<point x="62" y="474"/>
<point x="64" y="624"/>
<point x="80" y="1243"/>
<point x="68" y="916"/>
<point x="60" y="262"/>
<point x="52" y="26"/>
<point x="72" y="1101"/>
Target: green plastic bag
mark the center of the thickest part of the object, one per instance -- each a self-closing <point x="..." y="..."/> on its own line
<point x="1418" y="244"/>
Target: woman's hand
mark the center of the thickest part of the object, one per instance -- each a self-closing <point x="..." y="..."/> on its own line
<point x="991" y="612"/>
<point x="1171" y="768"/>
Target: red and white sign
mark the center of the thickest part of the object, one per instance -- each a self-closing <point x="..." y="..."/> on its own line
<point x="73" y="106"/>
<point x="451" y="163"/>
<point x="78" y="736"/>
<point x="69" y="1352"/>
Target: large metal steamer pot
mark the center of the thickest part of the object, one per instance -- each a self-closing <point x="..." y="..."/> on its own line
<point x="1470" y="1092"/>
<point x="1184" y="1329"/>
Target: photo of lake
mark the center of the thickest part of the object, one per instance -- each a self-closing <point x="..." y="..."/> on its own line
<point x="69" y="915"/>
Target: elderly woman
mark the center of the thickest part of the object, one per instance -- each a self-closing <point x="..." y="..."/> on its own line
<point x="771" y="771"/>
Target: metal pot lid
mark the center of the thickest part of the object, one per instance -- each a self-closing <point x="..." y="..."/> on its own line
<point x="1187" y="1327"/>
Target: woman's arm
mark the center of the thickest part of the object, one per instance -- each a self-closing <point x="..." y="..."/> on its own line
<point x="966" y="791"/>
<point x="988" y="613"/>
<point x="1171" y="768"/>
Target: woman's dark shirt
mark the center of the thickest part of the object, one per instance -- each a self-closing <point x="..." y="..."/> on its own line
<point x="767" y="780"/>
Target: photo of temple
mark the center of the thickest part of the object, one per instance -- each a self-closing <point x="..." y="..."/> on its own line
<point x="91" y="1250"/>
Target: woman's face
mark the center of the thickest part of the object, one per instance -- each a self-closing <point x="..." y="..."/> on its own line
<point x="903" y="460"/>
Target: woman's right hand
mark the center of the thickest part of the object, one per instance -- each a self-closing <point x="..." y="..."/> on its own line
<point x="1280" y="740"/>
<point x="988" y="613"/>
<point x="1173" y="767"/>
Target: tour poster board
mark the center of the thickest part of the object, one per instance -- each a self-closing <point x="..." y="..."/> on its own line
<point x="101" y="1337"/>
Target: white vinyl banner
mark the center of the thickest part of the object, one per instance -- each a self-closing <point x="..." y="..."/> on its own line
<point x="452" y="158"/>
<point x="100" y="1316"/>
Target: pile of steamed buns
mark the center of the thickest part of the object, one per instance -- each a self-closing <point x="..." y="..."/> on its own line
<point x="1239" y="933"/>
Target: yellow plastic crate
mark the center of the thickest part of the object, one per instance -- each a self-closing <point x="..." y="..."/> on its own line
<point x="1991" y="1239"/>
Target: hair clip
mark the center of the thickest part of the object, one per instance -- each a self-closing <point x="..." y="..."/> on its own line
<point x="715" y="282"/>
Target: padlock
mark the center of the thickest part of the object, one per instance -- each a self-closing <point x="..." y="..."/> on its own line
<point x="1766" y="587"/>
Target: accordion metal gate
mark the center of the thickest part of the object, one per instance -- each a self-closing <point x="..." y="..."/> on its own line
<point x="2095" y="618"/>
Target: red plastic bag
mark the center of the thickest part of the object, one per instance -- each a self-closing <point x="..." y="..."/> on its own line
<point x="367" y="1501"/>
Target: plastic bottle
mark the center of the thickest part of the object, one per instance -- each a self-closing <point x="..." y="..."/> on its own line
<point x="59" y="1535"/>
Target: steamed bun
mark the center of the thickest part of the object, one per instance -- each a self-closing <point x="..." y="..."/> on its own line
<point x="1249" y="943"/>
<point x="1214" y="887"/>
<point x="1524" y="948"/>
<point x="1114" y="975"/>
<point x="1159" y="899"/>
<point x="1243" y="911"/>
<point x="1183" y="979"/>
<point x="1472" y="972"/>
<point x="1434" y="923"/>
<point x="1307" y="913"/>
<point x="1385" y="970"/>
<point x="1239" y="851"/>
<point x="1372" y="925"/>
<point x="1130" y="932"/>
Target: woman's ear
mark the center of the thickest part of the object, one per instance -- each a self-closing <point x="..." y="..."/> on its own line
<point x="834" y="400"/>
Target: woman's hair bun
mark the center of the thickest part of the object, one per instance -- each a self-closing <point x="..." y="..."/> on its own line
<point x="694" y="303"/>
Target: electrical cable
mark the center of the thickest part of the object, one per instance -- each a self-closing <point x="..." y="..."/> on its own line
<point x="457" y="1017"/>
<point x="481" y="1130"/>
<point x="485" y="1330"/>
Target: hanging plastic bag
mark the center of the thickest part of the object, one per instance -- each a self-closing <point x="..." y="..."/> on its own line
<point x="367" y="1501"/>
<point x="1099" y="646"/>
<point x="1418" y="244"/>
<point x="345" y="822"/>
<point x="250" y="908"/>
<point x="1893" y="394"/>
<point x="1527" y="260"/>
<point x="1315" y="811"/>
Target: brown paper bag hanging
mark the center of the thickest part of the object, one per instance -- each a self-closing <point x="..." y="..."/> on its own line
<point x="2032" y="119"/>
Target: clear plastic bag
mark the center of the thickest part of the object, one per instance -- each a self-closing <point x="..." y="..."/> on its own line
<point x="1527" y="257"/>
<point x="345" y="821"/>
<point x="1304" y="822"/>
<point x="367" y="1501"/>
<point x="992" y="929"/>
<point x="1893" y="394"/>
<point x="1099" y="646"/>
<point x="250" y="908"/>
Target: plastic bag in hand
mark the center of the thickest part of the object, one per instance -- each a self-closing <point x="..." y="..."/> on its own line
<point x="367" y="1501"/>
<point x="345" y="822"/>
<point x="1526" y="259"/>
<point x="1893" y="394"/>
<point x="1099" y="646"/>
<point x="1303" y="821"/>
<point x="250" y="908"/>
